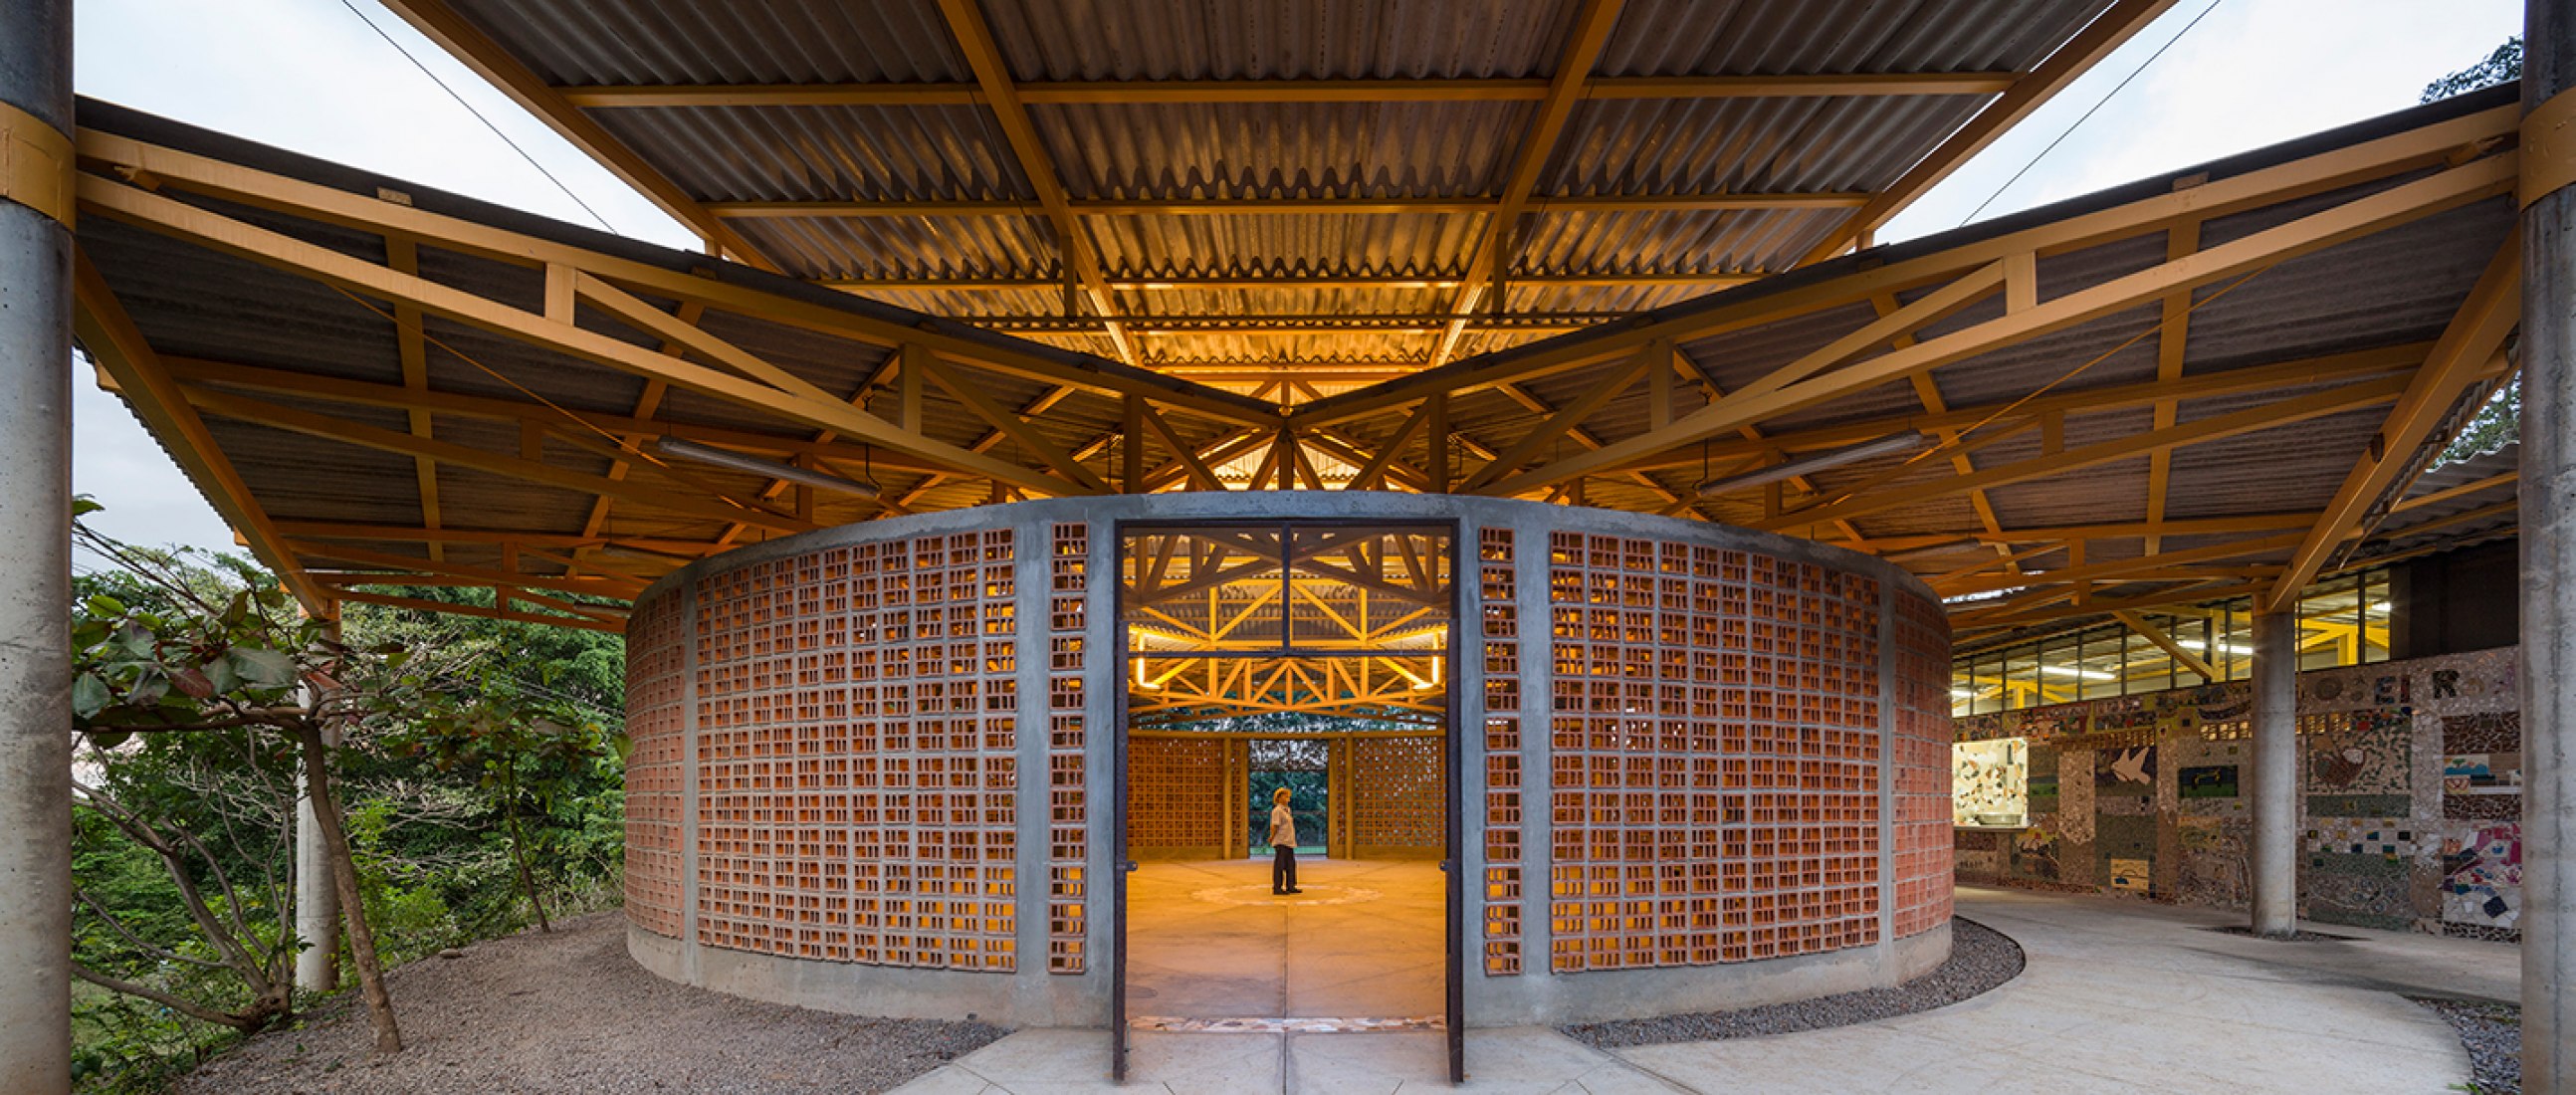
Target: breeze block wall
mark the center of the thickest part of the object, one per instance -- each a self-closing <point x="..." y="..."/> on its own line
<point x="875" y="767"/>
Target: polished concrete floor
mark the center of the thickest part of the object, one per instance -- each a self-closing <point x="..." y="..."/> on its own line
<point x="1208" y="941"/>
<point x="2119" y="996"/>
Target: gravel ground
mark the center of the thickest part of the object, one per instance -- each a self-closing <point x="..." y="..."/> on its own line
<point x="1980" y="959"/>
<point x="539" y="1014"/>
<point x="2493" y="1035"/>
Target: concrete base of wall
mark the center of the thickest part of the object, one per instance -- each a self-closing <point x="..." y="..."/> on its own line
<point x="1040" y="1000"/>
<point x="1605" y="995"/>
<point x="1025" y="999"/>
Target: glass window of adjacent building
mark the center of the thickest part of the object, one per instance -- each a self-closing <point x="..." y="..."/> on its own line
<point x="2021" y="677"/>
<point x="2343" y="620"/>
<point x="2104" y="663"/>
<point x="2330" y="625"/>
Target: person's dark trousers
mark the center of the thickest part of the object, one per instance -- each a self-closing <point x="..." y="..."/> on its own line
<point x="1283" y="868"/>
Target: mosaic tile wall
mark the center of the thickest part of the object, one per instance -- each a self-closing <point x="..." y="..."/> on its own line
<point x="2411" y="796"/>
<point x="858" y="774"/>
<point x="656" y="786"/>
<point x="1715" y="750"/>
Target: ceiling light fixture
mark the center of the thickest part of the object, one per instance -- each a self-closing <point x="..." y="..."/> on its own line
<point x="1889" y="445"/>
<point x="727" y="458"/>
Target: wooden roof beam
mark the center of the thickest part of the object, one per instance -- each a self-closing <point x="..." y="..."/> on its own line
<point x="2177" y="651"/>
<point x="2460" y="358"/>
<point x="710" y="507"/>
<point x="2336" y="169"/>
<point x="966" y="24"/>
<point x="122" y="354"/>
<point x="1124" y="92"/>
<point x="419" y="604"/>
<point x="2295" y="373"/>
<point x="2317" y="231"/>
<point x="1592" y="24"/>
<point x="161" y="214"/>
<point x="677" y="550"/>
<point x="1288" y="206"/>
<point x="174" y="169"/>
<point x="1866" y="500"/>
<point x="1137" y="283"/>
<point x="625" y="588"/>
<point x="467" y="42"/>
<point x="2106" y="33"/>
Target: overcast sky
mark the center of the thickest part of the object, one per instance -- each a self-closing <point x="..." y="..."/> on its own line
<point x="315" y="76"/>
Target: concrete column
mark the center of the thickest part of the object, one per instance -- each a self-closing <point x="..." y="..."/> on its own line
<point x="35" y="560"/>
<point x="2276" y="774"/>
<point x="2548" y="581"/>
<point x="317" y="901"/>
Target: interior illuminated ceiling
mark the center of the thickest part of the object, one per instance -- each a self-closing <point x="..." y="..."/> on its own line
<point x="974" y="253"/>
<point x="1349" y="622"/>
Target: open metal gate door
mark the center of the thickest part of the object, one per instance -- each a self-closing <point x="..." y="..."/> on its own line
<point x="1453" y="859"/>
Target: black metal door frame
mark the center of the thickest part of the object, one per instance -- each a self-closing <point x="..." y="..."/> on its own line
<point x="1453" y="946"/>
<point x="1453" y="859"/>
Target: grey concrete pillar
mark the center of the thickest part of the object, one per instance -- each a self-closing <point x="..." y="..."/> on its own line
<point x="317" y="901"/>
<point x="2548" y="578"/>
<point x="2275" y="881"/>
<point x="35" y="550"/>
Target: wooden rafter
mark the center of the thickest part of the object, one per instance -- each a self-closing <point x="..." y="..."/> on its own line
<point x="2173" y="342"/>
<point x="1115" y="92"/>
<point x="1494" y="244"/>
<point x="2096" y="41"/>
<point x="1136" y="283"/>
<point x="161" y="214"/>
<point x="1236" y="207"/>
<point x="400" y="569"/>
<point x="2177" y="651"/>
<point x="2428" y="146"/>
<point x="1001" y="97"/>
<point x="582" y="622"/>
<point x="170" y="168"/>
<point x="118" y="347"/>
<point x="440" y="24"/>
<point x="2465" y="352"/>
<point x="513" y="467"/>
<point x="2400" y="204"/>
<point x="2213" y="428"/>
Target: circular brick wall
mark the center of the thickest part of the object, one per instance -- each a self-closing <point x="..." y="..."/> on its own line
<point x="1700" y="767"/>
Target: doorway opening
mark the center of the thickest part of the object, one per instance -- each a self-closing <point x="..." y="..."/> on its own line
<point x="1314" y="657"/>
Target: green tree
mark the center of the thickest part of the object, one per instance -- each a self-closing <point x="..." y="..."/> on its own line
<point x="2498" y="423"/>
<point x="2504" y="66"/>
<point x="203" y="656"/>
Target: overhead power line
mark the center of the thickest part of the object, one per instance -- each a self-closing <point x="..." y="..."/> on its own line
<point x="2088" y="114"/>
<point x="477" y="113"/>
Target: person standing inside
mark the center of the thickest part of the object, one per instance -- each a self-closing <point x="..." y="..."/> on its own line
<point x="1283" y="845"/>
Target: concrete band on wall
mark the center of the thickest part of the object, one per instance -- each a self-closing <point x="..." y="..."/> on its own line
<point x="1700" y="767"/>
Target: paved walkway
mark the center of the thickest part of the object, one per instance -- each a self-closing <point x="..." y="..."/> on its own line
<point x="1208" y="941"/>
<point x="2119" y="996"/>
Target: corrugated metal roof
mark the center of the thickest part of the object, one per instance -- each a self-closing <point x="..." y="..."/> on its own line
<point x="1178" y="151"/>
<point x="2395" y="287"/>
